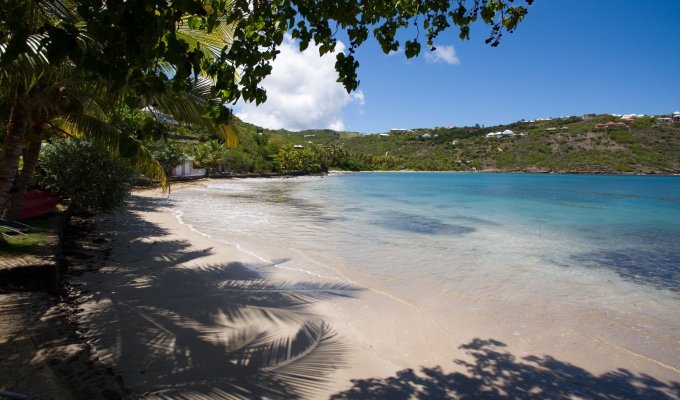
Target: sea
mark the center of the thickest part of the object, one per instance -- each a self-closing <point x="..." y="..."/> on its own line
<point x="543" y="260"/>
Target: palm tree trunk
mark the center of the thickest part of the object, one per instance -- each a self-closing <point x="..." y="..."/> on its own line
<point x="31" y="155"/>
<point x="14" y="139"/>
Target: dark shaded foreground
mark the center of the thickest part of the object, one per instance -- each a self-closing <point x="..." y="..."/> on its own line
<point x="493" y="373"/>
<point x="212" y="331"/>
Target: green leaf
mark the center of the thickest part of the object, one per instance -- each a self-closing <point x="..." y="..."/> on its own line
<point x="194" y="23"/>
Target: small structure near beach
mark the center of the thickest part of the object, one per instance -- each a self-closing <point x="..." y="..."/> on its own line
<point x="186" y="168"/>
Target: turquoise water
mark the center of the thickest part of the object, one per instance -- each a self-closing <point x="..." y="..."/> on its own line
<point x="566" y="256"/>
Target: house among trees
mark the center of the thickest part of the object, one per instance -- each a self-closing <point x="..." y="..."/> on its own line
<point x="676" y="116"/>
<point x="160" y="116"/>
<point x="186" y="168"/>
<point x="664" y="121"/>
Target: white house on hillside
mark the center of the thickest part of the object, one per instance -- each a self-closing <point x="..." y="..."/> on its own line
<point x="160" y="117"/>
<point x="505" y="133"/>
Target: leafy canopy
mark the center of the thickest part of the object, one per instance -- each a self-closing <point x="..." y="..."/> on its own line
<point x="136" y="40"/>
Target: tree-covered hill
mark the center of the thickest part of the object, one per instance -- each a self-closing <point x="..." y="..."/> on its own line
<point x="558" y="145"/>
<point x="571" y="144"/>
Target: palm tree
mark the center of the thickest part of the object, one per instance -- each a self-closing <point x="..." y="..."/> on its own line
<point x="24" y="69"/>
<point x="41" y="95"/>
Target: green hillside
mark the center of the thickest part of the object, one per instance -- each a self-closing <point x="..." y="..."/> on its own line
<point x="558" y="145"/>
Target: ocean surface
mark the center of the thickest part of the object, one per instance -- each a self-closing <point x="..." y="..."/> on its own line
<point x="535" y="257"/>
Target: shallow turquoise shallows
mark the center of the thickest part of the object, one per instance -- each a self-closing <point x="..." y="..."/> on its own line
<point x="627" y="224"/>
<point x="558" y="258"/>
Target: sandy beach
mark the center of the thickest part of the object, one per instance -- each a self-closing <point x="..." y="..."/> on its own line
<point x="178" y="315"/>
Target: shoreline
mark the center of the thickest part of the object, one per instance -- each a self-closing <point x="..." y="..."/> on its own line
<point x="518" y="172"/>
<point x="369" y="334"/>
<point x="182" y="182"/>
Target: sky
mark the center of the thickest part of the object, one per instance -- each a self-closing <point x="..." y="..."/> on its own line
<point x="568" y="57"/>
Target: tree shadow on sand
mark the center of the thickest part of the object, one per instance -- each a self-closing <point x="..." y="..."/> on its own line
<point x="494" y="373"/>
<point x="204" y="332"/>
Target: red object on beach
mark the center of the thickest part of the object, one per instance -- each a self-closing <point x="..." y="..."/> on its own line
<point x="37" y="203"/>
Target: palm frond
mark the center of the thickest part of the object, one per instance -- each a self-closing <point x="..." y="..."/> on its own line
<point x="151" y="168"/>
<point x="230" y="134"/>
<point x="214" y="41"/>
<point x="100" y="132"/>
<point x="81" y="125"/>
<point x="187" y="107"/>
<point x="56" y="11"/>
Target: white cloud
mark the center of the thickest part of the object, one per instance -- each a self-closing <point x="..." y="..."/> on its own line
<point x="444" y="54"/>
<point x="302" y="92"/>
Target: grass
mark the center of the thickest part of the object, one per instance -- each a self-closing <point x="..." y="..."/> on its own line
<point x="31" y="243"/>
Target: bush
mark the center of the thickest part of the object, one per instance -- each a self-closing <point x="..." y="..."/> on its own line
<point x="168" y="155"/>
<point x="89" y="176"/>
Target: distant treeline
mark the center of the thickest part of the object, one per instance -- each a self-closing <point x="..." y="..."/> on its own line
<point x="571" y="144"/>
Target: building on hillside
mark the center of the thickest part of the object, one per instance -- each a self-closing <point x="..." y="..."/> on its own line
<point x="186" y="168"/>
<point x="676" y="116"/>
<point x="664" y="121"/>
<point x="587" y="117"/>
<point x="160" y="117"/>
<point x="384" y="134"/>
<point x="628" y="118"/>
<point x="505" y="133"/>
<point x="298" y="146"/>
<point x="611" y="124"/>
<point x="399" y="130"/>
<point x="551" y="129"/>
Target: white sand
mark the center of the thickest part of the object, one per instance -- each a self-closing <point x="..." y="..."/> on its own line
<point x="182" y="316"/>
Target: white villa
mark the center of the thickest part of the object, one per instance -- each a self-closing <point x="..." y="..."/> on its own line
<point x="505" y="133"/>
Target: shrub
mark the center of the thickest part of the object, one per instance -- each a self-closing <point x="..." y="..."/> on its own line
<point x="89" y="176"/>
<point x="168" y="155"/>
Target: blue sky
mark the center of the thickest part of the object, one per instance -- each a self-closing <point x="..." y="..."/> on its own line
<point x="566" y="58"/>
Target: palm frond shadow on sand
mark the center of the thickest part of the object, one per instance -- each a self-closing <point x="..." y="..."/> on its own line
<point x="494" y="373"/>
<point x="214" y="331"/>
